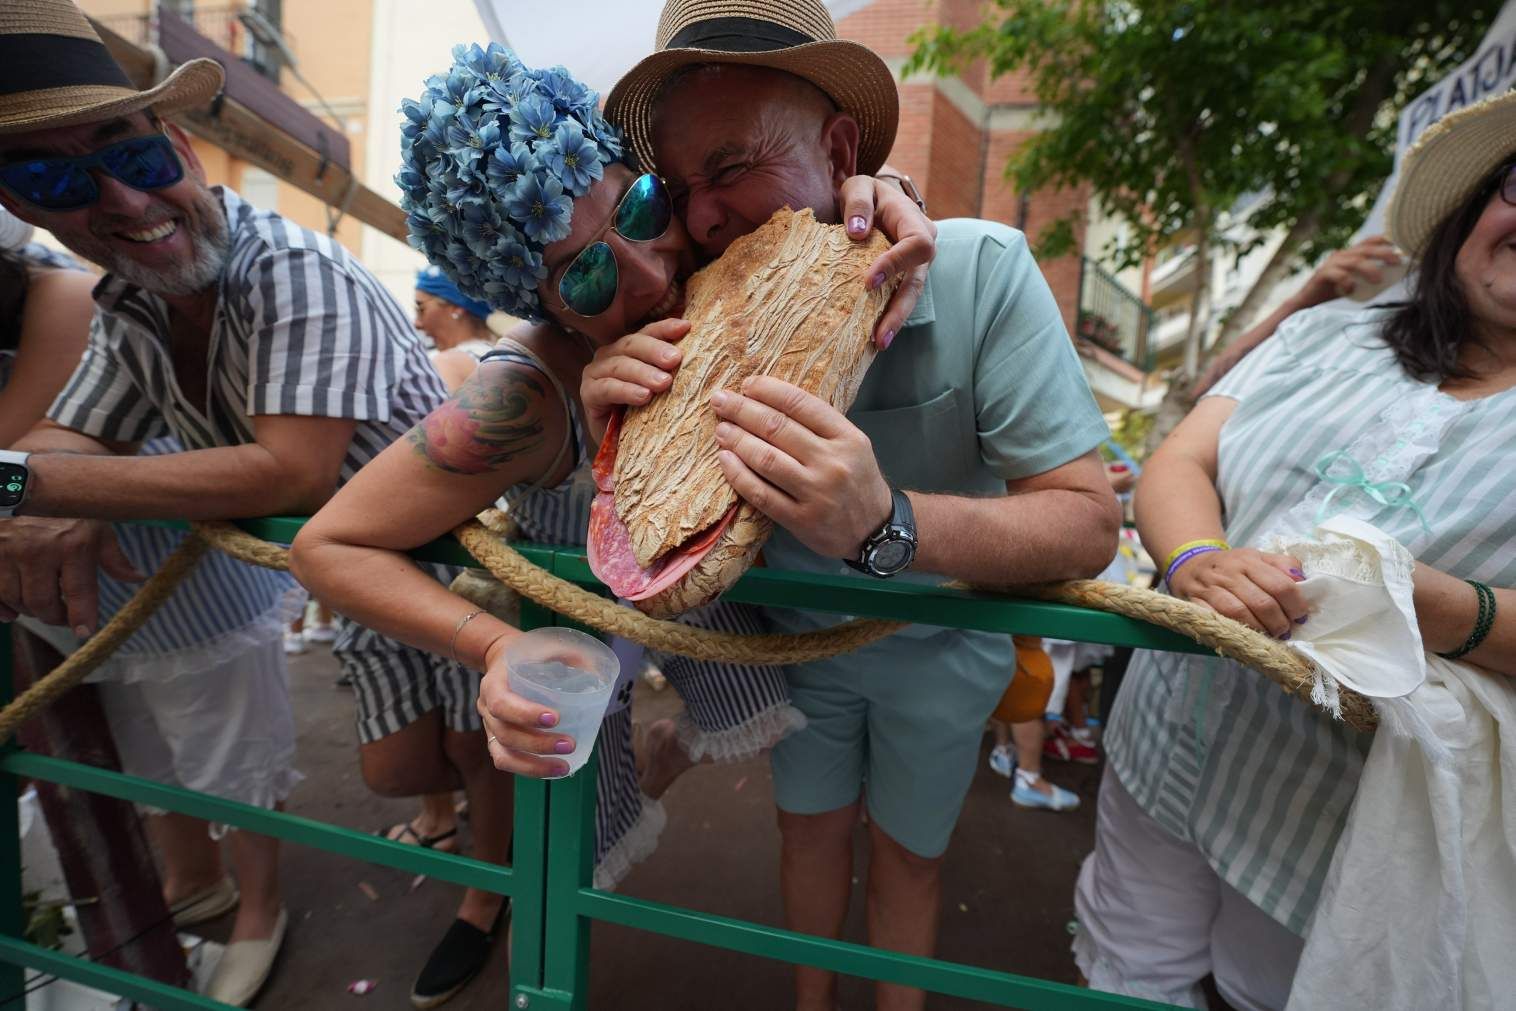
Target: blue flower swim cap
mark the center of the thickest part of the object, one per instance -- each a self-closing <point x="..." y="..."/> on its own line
<point x="493" y="155"/>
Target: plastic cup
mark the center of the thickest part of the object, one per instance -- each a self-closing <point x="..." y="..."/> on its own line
<point x="567" y="671"/>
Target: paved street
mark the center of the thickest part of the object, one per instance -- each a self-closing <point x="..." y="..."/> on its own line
<point x="1006" y="898"/>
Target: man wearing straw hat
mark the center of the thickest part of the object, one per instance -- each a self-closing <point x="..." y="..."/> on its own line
<point x="980" y="408"/>
<point x="270" y="353"/>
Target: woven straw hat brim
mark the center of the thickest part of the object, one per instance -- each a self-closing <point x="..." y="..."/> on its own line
<point x="193" y="84"/>
<point x="1446" y="165"/>
<point x="853" y="75"/>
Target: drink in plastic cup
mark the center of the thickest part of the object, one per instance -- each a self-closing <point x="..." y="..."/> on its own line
<point x="569" y="672"/>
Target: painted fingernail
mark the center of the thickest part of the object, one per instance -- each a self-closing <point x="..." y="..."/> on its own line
<point x="720" y="399"/>
<point x="886" y="339"/>
<point x="560" y="769"/>
<point x="563" y="747"/>
<point x="876" y="280"/>
<point x="856" y="224"/>
<point x="547" y="720"/>
<point x="1297" y="574"/>
<point x="1282" y="638"/>
<point x="1302" y="620"/>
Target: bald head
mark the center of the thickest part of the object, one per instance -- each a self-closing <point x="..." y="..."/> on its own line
<point x="736" y="143"/>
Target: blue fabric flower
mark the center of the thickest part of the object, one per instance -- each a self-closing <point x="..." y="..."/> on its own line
<point x="574" y="159"/>
<point x="533" y="120"/>
<point x="541" y="208"/>
<point x="492" y="155"/>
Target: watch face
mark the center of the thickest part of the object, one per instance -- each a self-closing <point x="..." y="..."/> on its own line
<point x="12" y="484"/>
<point x="891" y="556"/>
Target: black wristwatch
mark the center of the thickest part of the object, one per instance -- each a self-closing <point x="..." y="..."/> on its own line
<point x="15" y="475"/>
<point x="891" y="549"/>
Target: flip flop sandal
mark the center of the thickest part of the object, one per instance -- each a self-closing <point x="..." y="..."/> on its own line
<point x="405" y="832"/>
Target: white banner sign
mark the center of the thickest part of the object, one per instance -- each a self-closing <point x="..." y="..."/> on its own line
<point x="598" y="40"/>
<point x="1490" y="71"/>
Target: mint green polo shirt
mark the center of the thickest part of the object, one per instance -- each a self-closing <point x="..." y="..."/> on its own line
<point x="981" y="386"/>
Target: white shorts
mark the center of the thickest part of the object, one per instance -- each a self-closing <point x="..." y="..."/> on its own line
<point x="1155" y="919"/>
<point x="228" y="731"/>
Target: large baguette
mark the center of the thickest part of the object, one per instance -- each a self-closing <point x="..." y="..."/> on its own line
<point x="790" y="301"/>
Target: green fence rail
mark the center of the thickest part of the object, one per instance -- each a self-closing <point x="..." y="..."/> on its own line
<point x="553" y="903"/>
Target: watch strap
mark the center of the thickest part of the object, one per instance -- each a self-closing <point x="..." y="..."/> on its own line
<point x="901" y="515"/>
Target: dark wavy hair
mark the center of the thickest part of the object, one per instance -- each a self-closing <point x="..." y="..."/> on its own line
<point x="1427" y="332"/>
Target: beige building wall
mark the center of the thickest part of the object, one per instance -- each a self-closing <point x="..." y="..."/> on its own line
<point x="410" y="40"/>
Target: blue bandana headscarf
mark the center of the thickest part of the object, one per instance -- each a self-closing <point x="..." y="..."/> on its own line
<point x="493" y="154"/>
<point x="434" y="282"/>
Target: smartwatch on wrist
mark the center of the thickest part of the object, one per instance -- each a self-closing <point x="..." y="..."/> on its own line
<point x="890" y="550"/>
<point x="15" y="476"/>
<point x="907" y="187"/>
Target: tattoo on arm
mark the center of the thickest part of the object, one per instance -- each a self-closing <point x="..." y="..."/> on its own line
<point x="493" y="418"/>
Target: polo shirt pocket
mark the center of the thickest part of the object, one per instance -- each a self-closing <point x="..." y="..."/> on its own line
<point x="926" y="446"/>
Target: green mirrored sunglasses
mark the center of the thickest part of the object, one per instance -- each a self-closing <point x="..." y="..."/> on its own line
<point x="588" y="286"/>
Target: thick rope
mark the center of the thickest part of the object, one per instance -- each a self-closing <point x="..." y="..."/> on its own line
<point x="1286" y="667"/>
<point x="83" y="661"/>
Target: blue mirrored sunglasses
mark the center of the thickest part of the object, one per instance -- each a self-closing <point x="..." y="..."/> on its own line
<point x="589" y="285"/>
<point x="67" y="184"/>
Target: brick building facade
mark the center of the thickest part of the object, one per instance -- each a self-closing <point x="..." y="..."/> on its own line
<point x="957" y="133"/>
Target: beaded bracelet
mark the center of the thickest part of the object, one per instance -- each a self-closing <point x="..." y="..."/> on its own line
<point x="1208" y="542"/>
<point x="1482" y="624"/>
<point x="1199" y="549"/>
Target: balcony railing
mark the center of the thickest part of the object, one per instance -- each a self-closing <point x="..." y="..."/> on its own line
<point x="1113" y="318"/>
<point x="219" y="24"/>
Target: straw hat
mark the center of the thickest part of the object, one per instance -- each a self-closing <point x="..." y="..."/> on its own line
<point x="797" y="36"/>
<point x="55" y="71"/>
<point x="1446" y="165"/>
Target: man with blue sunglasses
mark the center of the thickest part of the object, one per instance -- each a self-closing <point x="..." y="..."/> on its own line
<point x="268" y="350"/>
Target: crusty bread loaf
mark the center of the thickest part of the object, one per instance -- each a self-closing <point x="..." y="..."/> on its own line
<point x="788" y="300"/>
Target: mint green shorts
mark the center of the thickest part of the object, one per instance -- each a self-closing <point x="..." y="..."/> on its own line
<point x="899" y="721"/>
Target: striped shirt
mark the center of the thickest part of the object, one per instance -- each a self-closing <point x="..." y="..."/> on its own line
<point x="1258" y="781"/>
<point x="301" y="328"/>
<point x="220" y="608"/>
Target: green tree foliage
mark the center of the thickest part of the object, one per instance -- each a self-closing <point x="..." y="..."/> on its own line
<point x="1172" y="110"/>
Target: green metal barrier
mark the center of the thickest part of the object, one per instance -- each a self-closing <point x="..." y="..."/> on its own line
<point x="550" y="880"/>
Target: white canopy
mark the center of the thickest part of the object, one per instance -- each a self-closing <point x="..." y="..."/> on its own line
<point x="598" y="40"/>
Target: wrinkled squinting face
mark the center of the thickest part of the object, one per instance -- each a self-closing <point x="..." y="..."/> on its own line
<point x="737" y="145"/>
<point x="1486" y="265"/>
<point x="650" y="275"/>
<point x="171" y="241"/>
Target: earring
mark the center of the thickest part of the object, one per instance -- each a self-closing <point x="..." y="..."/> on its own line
<point x="457" y="315"/>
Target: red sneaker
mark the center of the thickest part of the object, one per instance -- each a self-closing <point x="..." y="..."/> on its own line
<point x="1065" y="747"/>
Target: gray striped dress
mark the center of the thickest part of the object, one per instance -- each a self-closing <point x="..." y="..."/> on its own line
<point x="732" y="711"/>
<point x="1260" y="782"/>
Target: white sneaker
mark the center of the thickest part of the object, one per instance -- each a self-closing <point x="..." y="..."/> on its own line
<point x="1025" y="794"/>
<point x="294" y="643"/>
<point x="320" y="633"/>
<point x="1001" y="761"/>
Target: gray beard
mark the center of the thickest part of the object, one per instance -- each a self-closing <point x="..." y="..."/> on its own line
<point x="212" y="243"/>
